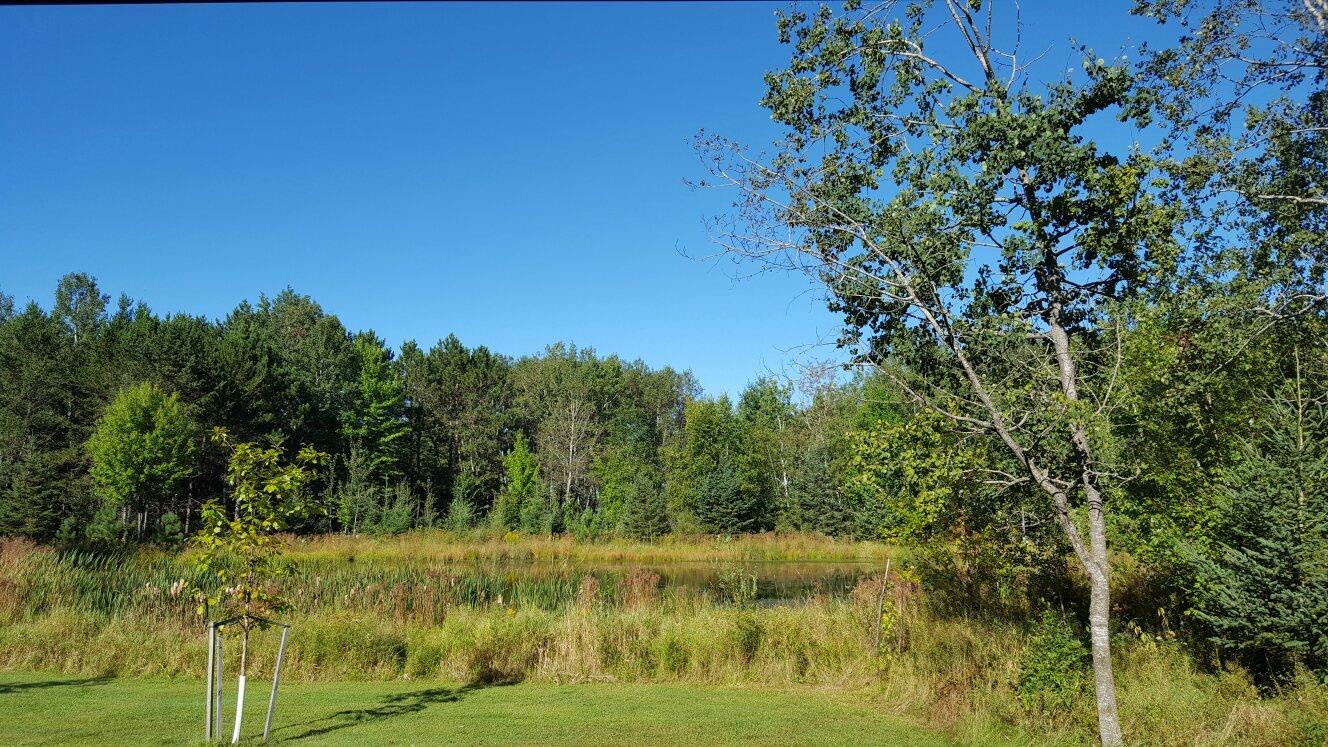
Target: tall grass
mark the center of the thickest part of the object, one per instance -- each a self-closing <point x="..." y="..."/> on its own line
<point x="955" y="674"/>
<point x="443" y="546"/>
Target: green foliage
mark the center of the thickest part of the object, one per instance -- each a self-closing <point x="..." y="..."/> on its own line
<point x="818" y="500"/>
<point x="737" y="586"/>
<point x="1054" y="672"/>
<point x="356" y="497"/>
<point x="375" y="420"/>
<point x="912" y="476"/>
<point x="585" y="525"/>
<point x="724" y="505"/>
<point x="142" y="449"/>
<point x="617" y="469"/>
<point x="1264" y="596"/>
<point x="645" y="514"/>
<point x="461" y="515"/>
<point x="105" y="530"/>
<point x="170" y="531"/>
<point x="521" y="504"/>
<point x="713" y="479"/>
<point x="239" y="542"/>
<point x="398" y="514"/>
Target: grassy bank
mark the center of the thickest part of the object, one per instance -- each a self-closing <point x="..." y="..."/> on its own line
<point x="42" y="709"/>
<point x="485" y="545"/>
<point x="962" y="676"/>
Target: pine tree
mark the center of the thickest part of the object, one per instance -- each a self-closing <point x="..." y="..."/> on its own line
<point x="723" y="505"/>
<point x="376" y="418"/>
<point x="1265" y="600"/>
<point x="818" y="502"/>
<point x="460" y="515"/>
<point x="645" y="509"/>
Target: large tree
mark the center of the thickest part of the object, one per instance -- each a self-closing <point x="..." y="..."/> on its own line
<point x="972" y="235"/>
<point x="374" y="420"/>
<point x="466" y="396"/>
<point x="142" y="452"/>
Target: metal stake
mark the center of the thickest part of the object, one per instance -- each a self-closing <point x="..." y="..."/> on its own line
<point x="211" y="681"/>
<point x="221" y="681"/>
<point x="276" y="679"/>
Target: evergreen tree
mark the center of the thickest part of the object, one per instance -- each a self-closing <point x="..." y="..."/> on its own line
<point x="376" y="417"/>
<point x="645" y="513"/>
<point x="1265" y="597"/>
<point x="818" y="501"/>
<point x="724" y="506"/>
<point x="460" y="515"/>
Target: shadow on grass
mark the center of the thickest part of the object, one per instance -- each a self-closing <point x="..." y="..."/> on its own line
<point x="392" y="706"/>
<point x="16" y="687"/>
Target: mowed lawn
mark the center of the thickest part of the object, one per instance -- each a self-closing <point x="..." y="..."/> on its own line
<point x="60" y="709"/>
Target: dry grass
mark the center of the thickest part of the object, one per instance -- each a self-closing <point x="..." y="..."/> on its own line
<point x="442" y="546"/>
<point x="948" y="672"/>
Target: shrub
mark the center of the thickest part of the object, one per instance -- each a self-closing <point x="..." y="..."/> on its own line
<point x="737" y="586"/>
<point x="170" y="530"/>
<point x="744" y="636"/>
<point x="1053" y="673"/>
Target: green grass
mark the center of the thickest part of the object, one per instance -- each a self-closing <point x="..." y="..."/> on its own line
<point x="47" y="709"/>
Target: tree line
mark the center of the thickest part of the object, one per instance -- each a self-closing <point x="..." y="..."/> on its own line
<point x="105" y="411"/>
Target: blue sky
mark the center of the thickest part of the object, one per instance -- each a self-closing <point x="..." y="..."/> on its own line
<point x="509" y="173"/>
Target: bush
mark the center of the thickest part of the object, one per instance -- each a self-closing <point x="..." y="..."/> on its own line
<point x="737" y="586"/>
<point x="460" y="515"/>
<point x="170" y="531"/>
<point x="1054" y="671"/>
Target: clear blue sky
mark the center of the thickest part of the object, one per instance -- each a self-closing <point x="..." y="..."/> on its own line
<point x="509" y="173"/>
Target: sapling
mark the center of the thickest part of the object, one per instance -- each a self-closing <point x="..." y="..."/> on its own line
<point x="240" y="543"/>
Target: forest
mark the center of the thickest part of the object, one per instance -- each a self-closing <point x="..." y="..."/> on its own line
<point x="106" y="412"/>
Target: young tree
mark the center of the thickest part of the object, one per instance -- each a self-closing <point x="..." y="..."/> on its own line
<point x="969" y="232"/>
<point x="724" y="505"/>
<point x="142" y="452"/>
<point x="521" y="503"/>
<point x="645" y="513"/>
<point x="268" y="494"/>
<point x="1265" y="596"/>
<point x="817" y="499"/>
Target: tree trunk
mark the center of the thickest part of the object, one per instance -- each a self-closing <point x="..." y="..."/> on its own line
<point x="1094" y="560"/>
<point x="1104" y="681"/>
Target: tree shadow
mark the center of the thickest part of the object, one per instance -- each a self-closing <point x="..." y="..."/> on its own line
<point x="16" y="687"/>
<point x="392" y="706"/>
